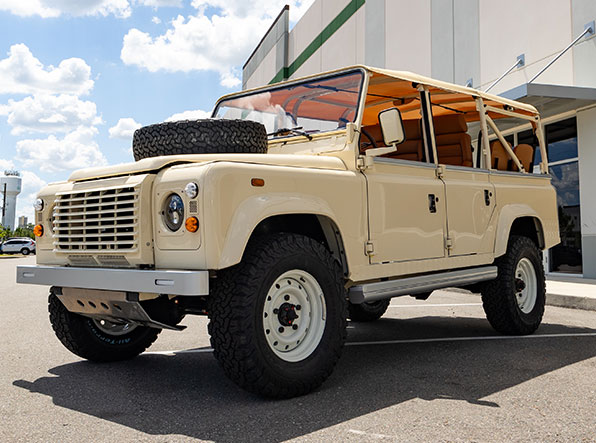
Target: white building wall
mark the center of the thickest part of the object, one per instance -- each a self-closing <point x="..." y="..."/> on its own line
<point x="265" y="72"/>
<point x="540" y="29"/>
<point x="408" y="36"/>
<point x="586" y="140"/>
<point x="345" y="47"/>
<point x="584" y="53"/>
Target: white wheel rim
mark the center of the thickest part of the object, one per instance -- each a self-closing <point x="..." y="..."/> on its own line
<point x="111" y="328"/>
<point x="526" y="297"/>
<point x="295" y="293"/>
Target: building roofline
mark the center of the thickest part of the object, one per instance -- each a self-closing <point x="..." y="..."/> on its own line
<point x="284" y="9"/>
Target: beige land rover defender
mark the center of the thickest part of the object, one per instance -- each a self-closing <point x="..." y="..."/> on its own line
<point x="297" y="206"/>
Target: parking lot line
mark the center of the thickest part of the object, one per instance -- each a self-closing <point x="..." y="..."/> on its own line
<point x="479" y="338"/>
<point x="407" y="341"/>
<point x="430" y="305"/>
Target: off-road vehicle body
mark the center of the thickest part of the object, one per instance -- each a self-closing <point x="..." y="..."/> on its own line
<point x="372" y="184"/>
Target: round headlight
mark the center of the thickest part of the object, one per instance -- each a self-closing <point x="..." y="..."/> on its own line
<point x="173" y="212"/>
<point x="38" y="204"/>
<point x="191" y="190"/>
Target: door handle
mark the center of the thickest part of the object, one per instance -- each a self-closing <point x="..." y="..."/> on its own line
<point x="487" y="196"/>
<point x="432" y="203"/>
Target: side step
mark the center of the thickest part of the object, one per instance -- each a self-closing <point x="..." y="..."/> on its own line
<point x="423" y="283"/>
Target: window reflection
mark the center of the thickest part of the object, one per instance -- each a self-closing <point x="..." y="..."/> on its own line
<point x="567" y="256"/>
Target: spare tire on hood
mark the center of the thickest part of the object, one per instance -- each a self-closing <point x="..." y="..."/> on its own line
<point x="207" y="136"/>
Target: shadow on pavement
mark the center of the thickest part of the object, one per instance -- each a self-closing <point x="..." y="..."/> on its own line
<point x="187" y="394"/>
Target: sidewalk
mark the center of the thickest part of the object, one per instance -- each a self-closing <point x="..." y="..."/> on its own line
<point x="570" y="292"/>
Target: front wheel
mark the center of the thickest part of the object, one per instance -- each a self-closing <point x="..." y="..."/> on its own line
<point x="514" y="302"/>
<point x="98" y="340"/>
<point x="278" y="319"/>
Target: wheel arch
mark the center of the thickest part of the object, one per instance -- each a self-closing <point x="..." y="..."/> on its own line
<point x="320" y="227"/>
<point x="518" y="220"/>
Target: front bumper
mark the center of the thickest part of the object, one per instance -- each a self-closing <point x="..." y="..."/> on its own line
<point x="129" y="280"/>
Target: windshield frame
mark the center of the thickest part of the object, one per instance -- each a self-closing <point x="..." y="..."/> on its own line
<point x="303" y="80"/>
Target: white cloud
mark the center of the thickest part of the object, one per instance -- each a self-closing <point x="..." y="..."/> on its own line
<point x="156" y="20"/>
<point x="49" y="113"/>
<point x="161" y="3"/>
<point x="55" y="8"/>
<point x="22" y="73"/>
<point x="76" y="150"/>
<point x="5" y="164"/>
<point x="189" y="115"/>
<point x="265" y="8"/>
<point x="220" y="42"/>
<point x="31" y="184"/>
<point x="124" y="129"/>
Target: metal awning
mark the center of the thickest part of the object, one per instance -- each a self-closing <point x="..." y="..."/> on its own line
<point x="551" y="100"/>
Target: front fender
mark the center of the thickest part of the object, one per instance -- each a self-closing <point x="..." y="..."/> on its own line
<point x="255" y="209"/>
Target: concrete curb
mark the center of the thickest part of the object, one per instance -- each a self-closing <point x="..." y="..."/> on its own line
<point x="571" y="301"/>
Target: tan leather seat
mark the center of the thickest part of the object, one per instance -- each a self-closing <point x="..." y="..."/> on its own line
<point x="525" y="154"/>
<point x="454" y="145"/>
<point x="410" y="149"/>
<point x="499" y="159"/>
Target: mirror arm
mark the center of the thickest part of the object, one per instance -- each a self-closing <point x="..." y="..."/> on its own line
<point x="375" y="152"/>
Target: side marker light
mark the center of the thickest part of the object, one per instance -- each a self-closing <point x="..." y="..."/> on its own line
<point x="38" y="230"/>
<point x="192" y="224"/>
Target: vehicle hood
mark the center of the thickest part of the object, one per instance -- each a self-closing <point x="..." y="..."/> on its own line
<point x="154" y="164"/>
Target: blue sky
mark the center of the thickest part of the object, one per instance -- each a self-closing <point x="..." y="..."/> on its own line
<point x="78" y="76"/>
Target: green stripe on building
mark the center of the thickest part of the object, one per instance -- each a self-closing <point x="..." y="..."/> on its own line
<point x="319" y="40"/>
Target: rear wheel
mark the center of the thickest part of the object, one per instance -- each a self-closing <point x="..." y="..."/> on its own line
<point x="514" y="302"/>
<point x="278" y="319"/>
<point x="369" y="311"/>
<point x="25" y="251"/>
<point x="98" y="340"/>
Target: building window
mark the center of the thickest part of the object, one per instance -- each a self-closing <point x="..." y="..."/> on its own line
<point x="561" y="138"/>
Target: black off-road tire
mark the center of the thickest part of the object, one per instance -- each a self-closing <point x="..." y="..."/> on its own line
<point x="238" y="303"/>
<point x="207" y="136"/>
<point x="25" y="251"/>
<point x="81" y="336"/>
<point x="370" y="311"/>
<point x="499" y="298"/>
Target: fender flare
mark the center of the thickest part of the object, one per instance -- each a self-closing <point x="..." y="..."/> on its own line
<point x="255" y="209"/>
<point x="507" y="217"/>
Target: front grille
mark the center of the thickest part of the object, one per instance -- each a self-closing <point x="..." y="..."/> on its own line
<point x="97" y="220"/>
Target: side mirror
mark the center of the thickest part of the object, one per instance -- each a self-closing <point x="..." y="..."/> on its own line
<point x="392" y="126"/>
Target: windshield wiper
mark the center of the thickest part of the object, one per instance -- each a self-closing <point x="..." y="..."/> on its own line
<point x="288" y="131"/>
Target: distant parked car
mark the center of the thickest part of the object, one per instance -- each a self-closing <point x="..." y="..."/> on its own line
<point x="23" y="245"/>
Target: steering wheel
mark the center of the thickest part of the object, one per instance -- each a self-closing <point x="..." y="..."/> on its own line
<point x="371" y="141"/>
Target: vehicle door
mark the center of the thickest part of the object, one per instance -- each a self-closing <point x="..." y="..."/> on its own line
<point x="470" y="196"/>
<point x="405" y="202"/>
<point x="11" y="246"/>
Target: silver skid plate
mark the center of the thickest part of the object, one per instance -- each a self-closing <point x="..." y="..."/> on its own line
<point x="109" y="305"/>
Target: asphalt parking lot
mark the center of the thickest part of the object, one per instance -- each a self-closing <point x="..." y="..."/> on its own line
<point x="427" y="371"/>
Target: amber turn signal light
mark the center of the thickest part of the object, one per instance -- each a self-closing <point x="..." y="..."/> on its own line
<point x="192" y="224"/>
<point x="38" y="230"/>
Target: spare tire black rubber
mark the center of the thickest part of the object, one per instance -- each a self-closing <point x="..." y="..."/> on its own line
<point x="207" y="136"/>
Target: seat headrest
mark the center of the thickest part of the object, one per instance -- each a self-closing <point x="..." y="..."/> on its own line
<point x="450" y="124"/>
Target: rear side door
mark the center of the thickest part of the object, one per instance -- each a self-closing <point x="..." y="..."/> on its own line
<point x="471" y="202"/>
<point x="11" y="246"/>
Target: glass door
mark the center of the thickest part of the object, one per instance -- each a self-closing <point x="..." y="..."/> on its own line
<point x="561" y="139"/>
